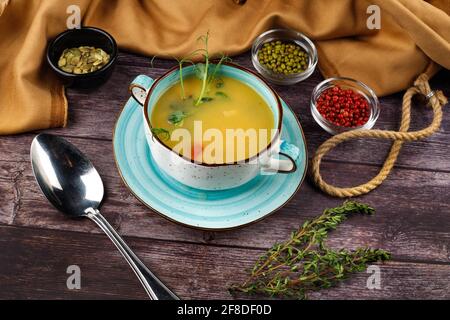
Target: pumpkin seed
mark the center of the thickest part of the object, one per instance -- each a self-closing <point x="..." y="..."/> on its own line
<point x="83" y="59"/>
<point x="62" y="62"/>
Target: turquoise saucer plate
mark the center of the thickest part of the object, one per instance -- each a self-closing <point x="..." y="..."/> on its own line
<point x="208" y="210"/>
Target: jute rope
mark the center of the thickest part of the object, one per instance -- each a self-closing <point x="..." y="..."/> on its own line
<point x="436" y="100"/>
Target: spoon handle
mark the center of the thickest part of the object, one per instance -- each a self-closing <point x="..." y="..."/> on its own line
<point x="152" y="285"/>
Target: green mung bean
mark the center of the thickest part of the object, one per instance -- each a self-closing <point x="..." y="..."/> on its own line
<point x="283" y="57"/>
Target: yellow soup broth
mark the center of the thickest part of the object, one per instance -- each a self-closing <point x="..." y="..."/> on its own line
<point x="227" y="104"/>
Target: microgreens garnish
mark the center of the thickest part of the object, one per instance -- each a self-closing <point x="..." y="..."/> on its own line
<point x="219" y="83"/>
<point x="177" y="118"/>
<point x="152" y="61"/>
<point x="161" y="133"/>
<point x="206" y="99"/>
<point x="205" y="71"/>
<point x="221" y="94"/>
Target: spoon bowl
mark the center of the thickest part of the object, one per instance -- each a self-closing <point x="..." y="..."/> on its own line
<point x="66" y="177"/>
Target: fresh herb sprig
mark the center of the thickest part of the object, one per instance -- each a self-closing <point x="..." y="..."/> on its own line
<point x="181" y="63"/>
<point x="202" y="69"/>
<point x="161" y="133"/>
<point x="177" y="117"/>
<point x="206" y="71"/>
<point x="304" y="263"/>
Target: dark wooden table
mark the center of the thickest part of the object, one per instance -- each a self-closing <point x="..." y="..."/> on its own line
<point x="37" y="244"/>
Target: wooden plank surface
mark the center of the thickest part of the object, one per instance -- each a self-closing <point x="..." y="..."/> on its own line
<point x="404" y="216"/>
<point x="193" y="271"/>
<point x="412" y="220"/>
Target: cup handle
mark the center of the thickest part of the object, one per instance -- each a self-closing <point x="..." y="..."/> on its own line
<point x="139" y="88"/>
<point x="276" y="165"/>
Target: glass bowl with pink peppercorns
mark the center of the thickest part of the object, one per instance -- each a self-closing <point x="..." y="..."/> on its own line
<point x="342" y="104"/>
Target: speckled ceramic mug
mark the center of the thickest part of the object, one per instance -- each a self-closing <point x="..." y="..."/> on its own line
<point x="215" y="176"/>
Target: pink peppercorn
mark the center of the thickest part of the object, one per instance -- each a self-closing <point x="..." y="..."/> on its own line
<point x="343" y="107"/>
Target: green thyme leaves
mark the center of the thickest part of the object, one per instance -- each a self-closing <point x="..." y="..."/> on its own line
<point x="304" y="263"/>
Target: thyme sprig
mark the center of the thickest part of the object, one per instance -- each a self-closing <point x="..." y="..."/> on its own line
<point x="304" y="263"/>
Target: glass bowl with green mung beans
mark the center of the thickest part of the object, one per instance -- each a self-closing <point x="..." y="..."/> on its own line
<point x="284" y="56"/>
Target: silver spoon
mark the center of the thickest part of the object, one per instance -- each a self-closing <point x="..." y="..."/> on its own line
<point x="70" y="182"/>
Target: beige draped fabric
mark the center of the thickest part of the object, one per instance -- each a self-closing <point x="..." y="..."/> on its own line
<point x="414" y="37"/>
